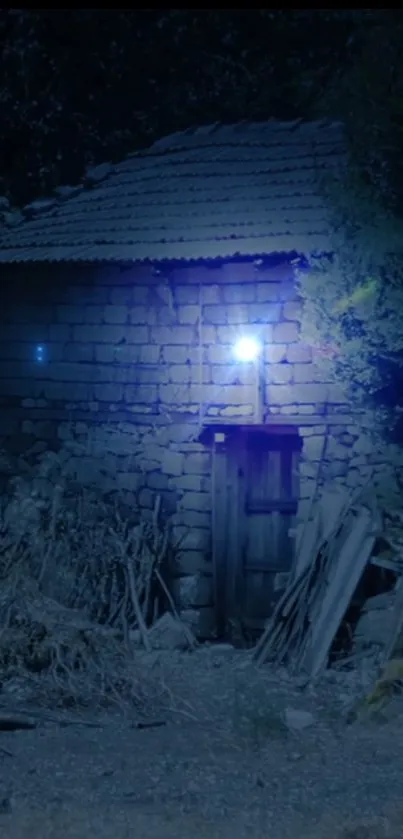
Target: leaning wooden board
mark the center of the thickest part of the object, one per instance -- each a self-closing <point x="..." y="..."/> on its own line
<point x="344" y="575"/>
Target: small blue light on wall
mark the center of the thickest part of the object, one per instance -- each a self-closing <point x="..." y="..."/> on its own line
<point x="39" y="353"/>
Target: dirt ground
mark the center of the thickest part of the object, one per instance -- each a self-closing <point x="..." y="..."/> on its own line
<point x="226" y="761"/>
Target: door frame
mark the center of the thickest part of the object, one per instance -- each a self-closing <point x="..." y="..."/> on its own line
<point x="229" y="516"/>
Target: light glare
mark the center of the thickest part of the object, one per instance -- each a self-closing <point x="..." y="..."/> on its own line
<point x="247" y="349"/>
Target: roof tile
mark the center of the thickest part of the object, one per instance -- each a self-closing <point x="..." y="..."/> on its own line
<point x="213" y="192"/>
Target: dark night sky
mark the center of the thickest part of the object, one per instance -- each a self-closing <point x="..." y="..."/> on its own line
<point x="88" y="85"/>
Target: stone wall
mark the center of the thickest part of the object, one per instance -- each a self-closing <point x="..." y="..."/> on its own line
<point x="122" y="365"/>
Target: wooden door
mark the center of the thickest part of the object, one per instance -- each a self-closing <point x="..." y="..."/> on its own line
<point x="255" y="498"/>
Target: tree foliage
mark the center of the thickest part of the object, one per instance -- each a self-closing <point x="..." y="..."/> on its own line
<point x="87" y="85"/>
<point x="354" y="299"/>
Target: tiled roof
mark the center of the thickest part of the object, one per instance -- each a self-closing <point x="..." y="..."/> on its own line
<point x="221" y="191"/>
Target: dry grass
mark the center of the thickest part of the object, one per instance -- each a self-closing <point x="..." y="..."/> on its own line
<point x="78" y="571"/>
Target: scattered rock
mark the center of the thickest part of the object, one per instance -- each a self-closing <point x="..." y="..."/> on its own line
<point x="297" y="720"/>
<point x="169" y="633"/>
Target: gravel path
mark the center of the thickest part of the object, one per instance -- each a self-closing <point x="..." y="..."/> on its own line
<point x="224" y="764"/>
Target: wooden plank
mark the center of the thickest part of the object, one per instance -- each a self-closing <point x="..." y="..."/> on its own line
<point x="345" y="572"/>
<point x="273" y="505"/>
<point x="397" y="626"/>
<point x="235" y="532"/>
<point x="330" y="508"/>
<point x="219" y="505"/>
<point x="270" y="422"/>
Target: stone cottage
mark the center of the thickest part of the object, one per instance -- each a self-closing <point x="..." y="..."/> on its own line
<point x="153" y="310"/>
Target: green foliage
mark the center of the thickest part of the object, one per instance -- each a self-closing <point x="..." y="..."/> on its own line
<point x="353" y="311"/>
<point x="354" y="301"/>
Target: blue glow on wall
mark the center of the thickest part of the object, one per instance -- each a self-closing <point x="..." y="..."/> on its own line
<point x="39" y="353"/>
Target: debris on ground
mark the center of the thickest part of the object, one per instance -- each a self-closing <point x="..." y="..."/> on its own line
<point x="170" y="633"/>
<point x="80" y="577"/>
<point x="333" y="552"/>
<point x="297" y="720"/>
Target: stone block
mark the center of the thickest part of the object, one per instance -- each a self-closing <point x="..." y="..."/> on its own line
<point x="221" y="354"/>
<point x="174" y="394"/>
<point x="305" y="373"/>
<point x="217" y="314"/>
<point x="336" y="450"/>
<point x="237" y="314"/>
<point x="246" y="411"/>
<point x="353" y="478"/>
<point x="186" y="295"/>
<point x="120" y="296"/>
<point x="188" y="315"/>
<point x="312" y="430"/>
<point x="129" y="481"/>
<point x="275" y="353"/>
<point x="279" y="374"/>
<point x="148" y="354"/>
<point x="196" y="539"/>
<point x="78" y="352"/>
<point x="299" y="353"/>
<point x="292" y="310"/>
<point x="308" y="470"/>
<point x="288" y="291"/>
<point x="211" y="294"/>
<point x="363" y="446"/>
<point x="156" y="480"/>
<point x="200" y="621"/>
<point x="233" y="374"/>
<point x="93" y="314"/>
<point x="141" y="294"/>
<point x="192" y="483"/>
<point x="310" y="393"/>
<point x="146" y="498"/>
<point x="191" y="519"/>
<point x="141" y="315"/>
<point x="67" y="391"/>
<point x="165" y="315"/>
<point x="195" y="501"/>
<point x="238" y="293"/>
<point x="69" y="372"/>
<point x="197" y="463"/>
<point x="285" y="333"/>
<point x="299" y="409"/>
<point x="193" y="591"/>
<point x="180" y="354"/>
<point x="336" y="394"/>
<point x="192" y="562"/>
<point x="224" y="395"/>
<point x="136" y="394"/>
<point x="187" y="373"/>
<point x="313" y="447"/>
<point x="268" y="292"/>
<point x="279" y="395"/>
<point x="108" y="392"/>
<point x="172" y="335"/>
<point x="172" y="462"/>
<point x="264" y="313"/>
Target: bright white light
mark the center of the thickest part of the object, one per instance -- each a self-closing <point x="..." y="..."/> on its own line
<point x="247" y="349"/>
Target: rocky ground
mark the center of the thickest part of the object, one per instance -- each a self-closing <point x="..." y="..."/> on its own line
<point x="234" y="752"/>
